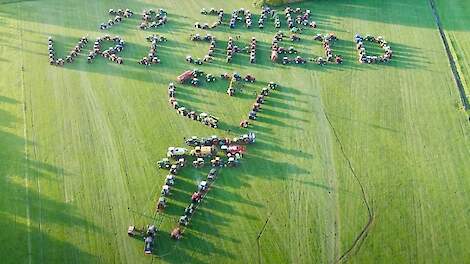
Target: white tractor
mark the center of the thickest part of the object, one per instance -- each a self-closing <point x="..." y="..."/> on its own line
<point x="174" y="152"/>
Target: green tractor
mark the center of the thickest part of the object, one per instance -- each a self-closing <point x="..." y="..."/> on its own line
<point x="210" y="78"/>
<point x="164" y="164"/>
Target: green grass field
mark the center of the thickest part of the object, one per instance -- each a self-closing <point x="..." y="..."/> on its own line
<point x="78" y="144"/>
<point x="455" y="24"/>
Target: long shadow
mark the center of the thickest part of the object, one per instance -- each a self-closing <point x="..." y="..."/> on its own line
<point x="267" y="147"/>
<point x="35" y="12"/>
<point x="214" y="211"/>
<point x="263" y="118"/>
<point x="131" y="69"/>
<point x="203" y="226"/>
<point x="183" y="250"/>
<point x="186" y="99"/>
<point x="282" y="105"/>
<point x="135" y="51"/>
<point x="19" y="206"/>
<point x="6" y="2"/>
<point x="229" y="196"/>
<point x="8" y="100"/>
<point x="279" y="114"/>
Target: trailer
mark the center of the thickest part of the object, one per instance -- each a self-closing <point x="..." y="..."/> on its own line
<point x="185" y="76"/>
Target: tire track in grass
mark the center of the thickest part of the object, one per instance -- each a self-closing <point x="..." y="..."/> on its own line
<point x="360" y="238"/>
<point x="110" y="161"/>
<point x="259" y="237"/>
<point x="331" y="175"/>
<point x="25" y="137"/>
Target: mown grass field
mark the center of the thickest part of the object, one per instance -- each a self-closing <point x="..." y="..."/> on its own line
<point x="78" y="144"/>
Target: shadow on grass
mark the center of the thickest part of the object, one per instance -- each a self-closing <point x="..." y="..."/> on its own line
<point x="19" y="205"/>
<point x="400" y="12"/>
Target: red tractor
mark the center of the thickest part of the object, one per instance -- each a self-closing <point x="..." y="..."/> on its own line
<point x="234" y="149"/>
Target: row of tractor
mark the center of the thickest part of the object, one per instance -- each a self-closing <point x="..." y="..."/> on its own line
<point x="275" y="45"/>
<point x="265" y="12"/>
<point x="302" y="18"/>
<point x="276" y="50"/>
<point x="223" y="152"/>
<point x="293" y="17"/>
<point x="153" y="18"/>
<point x="327" y="41"/>
<point x="220" y="18"/>
<point x="210" y="54"/>
<point x="252" y="50"/>
<point x="191" y="77"/>
<point x="244" y="139"/>
<point x="152" y="58"/>
<point x="364" y="58"/>
<point x="260" y="99"/>
<point x="231" y="49"/>
<point x="217" y="152"/>
<point x="111" y="52"/>
<point x="234" y="79"/>
<point x="196" y="198"/>
<point x="239" y="15"/>
<point x="73" y="53"/>
<point x="148" y="235"/>
<point x="119" y="15"/>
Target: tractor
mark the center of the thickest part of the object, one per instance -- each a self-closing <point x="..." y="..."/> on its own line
<point x="164" y="163"/>
<point x="149" y="238"/>
<point x="174" y="152"/>
<point x="212" y="174"/>
<point x="203" y="151"/>
<point x="193" y="141"/>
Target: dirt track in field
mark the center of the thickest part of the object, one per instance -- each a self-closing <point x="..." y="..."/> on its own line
<point x="453" y="66"/>
<point x="360" y="238"/>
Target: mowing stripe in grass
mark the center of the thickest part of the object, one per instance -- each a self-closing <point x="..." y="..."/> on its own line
<point x="398" y="124"/>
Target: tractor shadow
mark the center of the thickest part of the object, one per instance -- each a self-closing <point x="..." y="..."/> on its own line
<point x="182" y="251"/>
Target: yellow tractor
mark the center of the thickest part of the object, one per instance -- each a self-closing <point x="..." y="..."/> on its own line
<point x="203" y="151"/>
